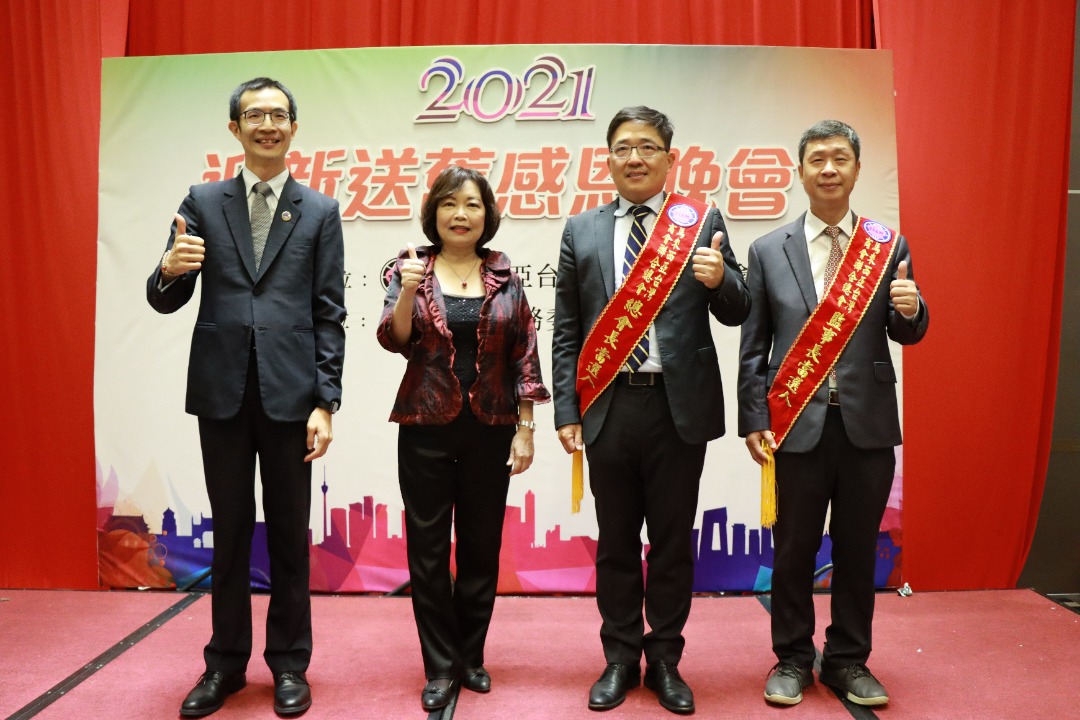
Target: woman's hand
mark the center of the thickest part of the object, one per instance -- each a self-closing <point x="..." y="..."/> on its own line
<point x="412" y="271"/>
<point x="521" y="451"/>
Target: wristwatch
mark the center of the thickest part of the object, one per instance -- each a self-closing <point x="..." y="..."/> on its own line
<point x="331" y="406"/>
<point x="527" y="424"/>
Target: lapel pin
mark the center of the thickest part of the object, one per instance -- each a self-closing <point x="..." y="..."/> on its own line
<point x="286" y="216"/>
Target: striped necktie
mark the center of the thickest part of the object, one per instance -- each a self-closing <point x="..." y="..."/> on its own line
<point x="634" y="243"/>
<point x="260" y="220"/>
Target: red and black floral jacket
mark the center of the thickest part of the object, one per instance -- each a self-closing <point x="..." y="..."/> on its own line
<point x="508" y="366"/>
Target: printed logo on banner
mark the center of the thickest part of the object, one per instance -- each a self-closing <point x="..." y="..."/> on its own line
<point x="682" y="215"/>
<point x="387" y="272"/>
<point x="877" y="231"/>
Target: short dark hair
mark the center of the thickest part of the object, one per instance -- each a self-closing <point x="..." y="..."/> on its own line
<point x="258" y="83"/>
<point x="642" y="114"/>
<point x="826" y="129"/>
<point x="448" y="182"/>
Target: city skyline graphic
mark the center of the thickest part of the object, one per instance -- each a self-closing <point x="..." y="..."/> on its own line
<point x="359" y="552"/>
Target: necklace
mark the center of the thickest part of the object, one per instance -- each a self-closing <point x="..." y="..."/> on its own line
<point x="464" y="280"/>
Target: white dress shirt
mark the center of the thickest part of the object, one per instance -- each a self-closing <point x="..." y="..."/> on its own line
<point x="623" y="222"/>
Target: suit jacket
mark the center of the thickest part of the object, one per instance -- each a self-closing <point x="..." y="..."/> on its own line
<point x="291" y="311"/>
<point x="586" y="281"/>
<point x="782" y="289"/>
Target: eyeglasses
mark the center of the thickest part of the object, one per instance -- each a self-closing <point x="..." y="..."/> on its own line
<point x="644" y="151"/>
<point x="281" y="118"/>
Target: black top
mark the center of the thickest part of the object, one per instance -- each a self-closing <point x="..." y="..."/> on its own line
<point x="463" y="319"/>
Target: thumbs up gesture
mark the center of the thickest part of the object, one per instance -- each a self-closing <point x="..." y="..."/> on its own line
<point x="187" y="251"/>
<point x="412" y="271"/>
<point x="904" y="293"/>
<point x="709" y="263"/>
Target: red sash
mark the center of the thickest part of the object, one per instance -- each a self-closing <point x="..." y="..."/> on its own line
<point x="831" y="325"/>
<point x="636" y="302"/>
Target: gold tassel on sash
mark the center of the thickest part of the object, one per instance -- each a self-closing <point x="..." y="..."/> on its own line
<point x="768" y="488"/>
<point x="577" y="488"/>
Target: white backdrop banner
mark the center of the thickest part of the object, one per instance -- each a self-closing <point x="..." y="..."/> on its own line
<point x="375" y="126"/>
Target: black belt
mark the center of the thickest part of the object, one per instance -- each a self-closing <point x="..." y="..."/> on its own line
<point x="834" y="396"/>
<point x="640" y="379"/>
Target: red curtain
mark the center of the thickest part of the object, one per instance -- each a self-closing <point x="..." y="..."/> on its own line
<point x="983" y="97"/>
<point x="50" y="66"/>
<point x="209" y="26"/>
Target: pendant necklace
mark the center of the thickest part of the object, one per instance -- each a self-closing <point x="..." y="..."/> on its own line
<point x="464" y="280"/>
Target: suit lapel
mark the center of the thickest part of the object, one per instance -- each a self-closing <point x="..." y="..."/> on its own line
<point x="799" y="258"/>
<point x="239" y="219"/>
<point x="280" y="228"/>
<point x="605" y="245"/>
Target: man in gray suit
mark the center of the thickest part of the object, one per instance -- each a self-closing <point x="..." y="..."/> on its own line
<point x="264" y="376"/>
<point x="646" y="425"/>
<point x="836" y="439"/>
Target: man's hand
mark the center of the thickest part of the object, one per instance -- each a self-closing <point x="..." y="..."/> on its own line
<point x="187" y="252"/>
<point x="319" y="433"/>
<point x="570" y="437"/>
<point x="753" y="444"/>
<point x="709" y="263"/>
<point x="904" y="294"/>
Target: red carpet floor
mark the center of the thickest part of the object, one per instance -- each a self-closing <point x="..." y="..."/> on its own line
<point x="988" y="655"/>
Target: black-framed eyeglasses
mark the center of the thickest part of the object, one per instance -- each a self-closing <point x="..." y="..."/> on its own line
<point x="644" y="151"/>
<point x="279" y="117"/>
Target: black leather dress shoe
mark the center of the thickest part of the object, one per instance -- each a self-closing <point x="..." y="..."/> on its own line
<point x="477" y="680"/>
<point x="210" y="691"/>
<point x="292" y="694"/>
<point x="856" y="682"/>
<point x="610" y="690"/>
<point x="672" y="691"/>
<point x="437" y="693"/>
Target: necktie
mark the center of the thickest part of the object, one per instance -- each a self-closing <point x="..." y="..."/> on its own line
<point x="634" y="243"/>
<point x="835" y="253"/>
<point x="260" y="220"/>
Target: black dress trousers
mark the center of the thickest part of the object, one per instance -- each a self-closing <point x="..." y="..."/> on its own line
<point x="641" y="471"/>
<point x="229" y="449"/>
<point x="453" y="475"/>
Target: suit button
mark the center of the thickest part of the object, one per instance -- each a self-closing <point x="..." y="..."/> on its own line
<point x="257" y="291"/>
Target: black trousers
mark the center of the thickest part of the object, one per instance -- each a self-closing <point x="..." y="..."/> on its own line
<point x="640" y="471"/>
<point x="229" y="449"/>
<point x="857" y="482"/>
<point x="453" y="474"/>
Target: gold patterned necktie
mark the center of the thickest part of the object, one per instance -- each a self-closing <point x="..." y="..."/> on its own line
<point x="634" y="242"/>
<point x="835" y="253"/>
<point x="260" y="220"/>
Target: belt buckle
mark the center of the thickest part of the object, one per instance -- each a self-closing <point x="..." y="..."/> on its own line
<point x="651" y="377"/>
<point x="834" y="396"/>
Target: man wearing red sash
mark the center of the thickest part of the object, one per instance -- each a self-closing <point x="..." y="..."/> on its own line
<point x="817" y="385"/>
<point x="637" y="385"/>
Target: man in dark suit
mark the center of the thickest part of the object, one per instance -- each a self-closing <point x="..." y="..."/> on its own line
<point x="840" y="449"/>
<point x="645" y="433"/>
<point x="264" y="376"/>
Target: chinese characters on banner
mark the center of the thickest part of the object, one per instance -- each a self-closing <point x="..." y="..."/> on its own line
<point x="381" y="184"/>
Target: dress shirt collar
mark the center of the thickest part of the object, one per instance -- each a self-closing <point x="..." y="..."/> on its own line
<point x="814" y="227"/>
<point x="654" y="203"/>
<point x="277" y="183"/>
